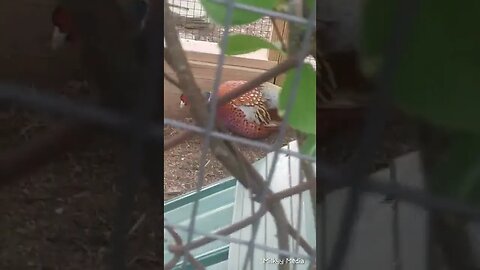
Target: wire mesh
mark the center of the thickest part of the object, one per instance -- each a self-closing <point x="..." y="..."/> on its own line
<point x="211" y="120"/>
<point x="140" y="130"/>
<point x="194" y="24"/>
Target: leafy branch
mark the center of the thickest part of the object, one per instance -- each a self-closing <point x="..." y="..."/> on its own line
<point x="437" y="82"/>
<point x="224" y="151"/>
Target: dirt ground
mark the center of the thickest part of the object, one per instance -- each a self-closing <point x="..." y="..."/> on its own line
<point x="61" y="216"/>
<point x="182" y="163"/>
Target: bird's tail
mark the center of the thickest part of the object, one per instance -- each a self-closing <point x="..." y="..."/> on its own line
<point x="273" y="124"/>
<point x="274" y="115"/>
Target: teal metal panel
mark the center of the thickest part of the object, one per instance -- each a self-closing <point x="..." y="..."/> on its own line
<point x="215" y="259"/>
<point x="189" y="197"/>
<point x="297" y="209"/>
<point x="215" y="211"/>
<point x="226" y="202"/>
<point x="219" y="266"/>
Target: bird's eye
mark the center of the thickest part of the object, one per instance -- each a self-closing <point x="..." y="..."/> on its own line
<point x="62" y="19"/>
<point x="208" y="95"/>
<point x="183" y="98"/>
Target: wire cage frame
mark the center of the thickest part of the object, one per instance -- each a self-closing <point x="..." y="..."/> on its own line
<point x="208" y="133"/>
<point x="193" y="23"/>
<point x="376" y="118"/>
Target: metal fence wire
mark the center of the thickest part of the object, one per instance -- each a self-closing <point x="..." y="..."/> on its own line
<point x="208" y="134"/>
<point x="193" y="23"/>
<point x="139" y="129"/>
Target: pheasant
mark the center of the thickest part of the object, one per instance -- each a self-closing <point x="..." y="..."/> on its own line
<point x="252" y="115"/>
<point x="113" y="47"/>
<point x="64" y="29"/>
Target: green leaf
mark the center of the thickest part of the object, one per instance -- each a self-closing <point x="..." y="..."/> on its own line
<point x="457" y="175"/>
<point x="309" y="146"/>
<point x="303" y="114"/>
<point x="241" y="44"/>
<point x="438" y="73"/>
<point x="310" y="4"/>
<point x="217" y="12"/>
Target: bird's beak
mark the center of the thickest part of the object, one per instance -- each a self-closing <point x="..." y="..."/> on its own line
<point x="58" y="38"/>
<point x="182" y="104"/>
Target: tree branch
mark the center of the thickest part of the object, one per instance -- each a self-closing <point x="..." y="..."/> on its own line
<point x="238" y="91"/>
<point x="224" y="151"/>
<point x="171" y="80"/>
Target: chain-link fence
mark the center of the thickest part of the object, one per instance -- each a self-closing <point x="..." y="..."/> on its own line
<point x="138" y="129"/>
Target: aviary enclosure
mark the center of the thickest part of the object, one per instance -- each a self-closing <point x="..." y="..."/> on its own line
<point x="74" y="194"/>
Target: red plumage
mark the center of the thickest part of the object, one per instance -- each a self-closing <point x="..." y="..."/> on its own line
<point x="63" y="21"/>
<point x="252" y="115"/>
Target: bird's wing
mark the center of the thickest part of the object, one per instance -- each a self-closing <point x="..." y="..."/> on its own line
<point x="252" y="103"/>
<point x="253" y="106"/>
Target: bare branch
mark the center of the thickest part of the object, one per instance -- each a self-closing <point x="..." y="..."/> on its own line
<point x="177" y="252"/>
<point x="225" y="152"/>
<point x="278" y="196"/>
<point x="238" y="91"/>
<point x="301" y="241"/>
<point x="178" y="241"/>
<point x="171" y="80"/>
<point x="196" y="264"/>
<point x="229" y="230"/>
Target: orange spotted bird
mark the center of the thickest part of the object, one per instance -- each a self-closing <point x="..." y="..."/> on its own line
<point x="252" y="115"/>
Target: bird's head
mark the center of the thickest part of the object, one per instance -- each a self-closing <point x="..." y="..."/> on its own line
<point x="63" y="29"/>
<point x="184" y="99"/>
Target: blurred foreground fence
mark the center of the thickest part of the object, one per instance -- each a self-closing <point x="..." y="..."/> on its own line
<point x="353" y="175"/>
